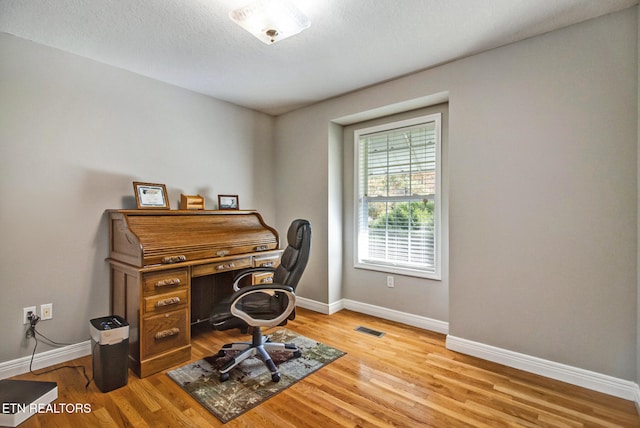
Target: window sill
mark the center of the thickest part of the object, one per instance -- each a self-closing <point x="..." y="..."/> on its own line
<point x="398" y="270"/>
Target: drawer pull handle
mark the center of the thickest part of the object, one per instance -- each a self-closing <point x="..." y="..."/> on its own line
<point x="268" y="264"/>
<point x="167" y="302"/>
<point x="262" y="247"/>
<point x="167" y="333"/>
<point x="222" y="253"/>
<point x="173" y="259"/>
<point x="167" y="282"/>
<point x="227" y="266"/>
<point x="268" y="280"/>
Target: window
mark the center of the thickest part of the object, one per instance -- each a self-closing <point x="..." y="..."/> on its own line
<point x="397" y="181"/>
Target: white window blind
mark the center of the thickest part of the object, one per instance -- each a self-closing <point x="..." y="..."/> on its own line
<point x="398" y="197"/>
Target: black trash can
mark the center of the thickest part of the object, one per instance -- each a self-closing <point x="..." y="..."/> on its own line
<point x="110" y="348"/>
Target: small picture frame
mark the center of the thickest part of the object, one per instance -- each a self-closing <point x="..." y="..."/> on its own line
<point x="228" y="202"/>
<point x="151" y="196"/>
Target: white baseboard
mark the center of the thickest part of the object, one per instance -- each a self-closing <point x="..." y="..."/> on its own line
<point x="376" y="311"/>
<point x="595" y="381"/>
<point x="45" y="359"/>
<point x="314" y="305"/>
<point x="576" y="376"/>
<point x="402" y="317"/>
<point x="587" y="379"/>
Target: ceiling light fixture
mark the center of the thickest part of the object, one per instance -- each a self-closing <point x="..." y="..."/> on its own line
<point x="270" y="20"/>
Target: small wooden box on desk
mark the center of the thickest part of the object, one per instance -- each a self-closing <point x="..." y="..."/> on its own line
<point x="191" y="202"/>
<point x="158" y="258"/>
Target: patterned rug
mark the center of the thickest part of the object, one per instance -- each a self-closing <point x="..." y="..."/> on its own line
<point x="250" y="383"/>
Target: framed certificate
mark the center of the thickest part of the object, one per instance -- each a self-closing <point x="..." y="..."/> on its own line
<point x="151" y="196"/>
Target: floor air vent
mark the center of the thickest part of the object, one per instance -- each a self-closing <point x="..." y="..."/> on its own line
<point x="372" y="332"/>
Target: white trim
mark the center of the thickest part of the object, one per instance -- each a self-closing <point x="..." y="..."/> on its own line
<point x="587" y="379"/>
<point x="592" y="380"/>
<point x="576" y="376"/>
<point x="376" y="311"/>
<point x="45" y="359"/>
<point x="402" y="317"/>
<point x="636" y="398"/>
<point x="316" y="306"/>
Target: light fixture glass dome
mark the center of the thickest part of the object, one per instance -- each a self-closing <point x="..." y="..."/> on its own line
<point x="270" y="20"/>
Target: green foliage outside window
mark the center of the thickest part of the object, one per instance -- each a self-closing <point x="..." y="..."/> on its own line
<point x="416" y="215"/>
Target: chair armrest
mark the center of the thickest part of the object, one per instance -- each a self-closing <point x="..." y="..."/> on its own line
<point x="255" y="322"/>
<point x="248" y="272"/>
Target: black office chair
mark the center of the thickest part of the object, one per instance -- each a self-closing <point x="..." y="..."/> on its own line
<point x="269" y="305"/>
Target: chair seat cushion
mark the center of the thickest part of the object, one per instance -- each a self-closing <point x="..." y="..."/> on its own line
<point x="257" y="305"/>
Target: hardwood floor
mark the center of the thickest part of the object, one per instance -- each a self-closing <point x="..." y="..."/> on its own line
<point x="405" y="378"/>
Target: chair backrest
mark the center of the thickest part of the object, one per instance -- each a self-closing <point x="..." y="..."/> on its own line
<point x="295" y="257"/>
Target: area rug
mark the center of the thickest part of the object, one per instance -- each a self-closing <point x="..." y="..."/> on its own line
<point x="250" y="383"/>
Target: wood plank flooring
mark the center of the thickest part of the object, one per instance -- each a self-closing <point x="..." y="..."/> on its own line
<point x="405" y="378"/>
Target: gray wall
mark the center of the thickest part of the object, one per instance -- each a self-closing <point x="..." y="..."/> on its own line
<point x="74" y="134"/>
<point x="638" y="211"/>
<point x="542" y="186"/>
<point x="543" y="207"/>
<point x="542" y="194"/>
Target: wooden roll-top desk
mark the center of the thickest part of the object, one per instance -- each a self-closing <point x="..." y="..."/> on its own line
<point x="168" y="268"/>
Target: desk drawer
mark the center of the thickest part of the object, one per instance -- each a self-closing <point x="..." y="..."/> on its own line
<point x="164" y="332"/>
<point x="166" y="280"/>
<point x="176" y="299"/>
<point x="269" y="261"/>
<point x="262" y="278"/>
<point x="222" y="266"/>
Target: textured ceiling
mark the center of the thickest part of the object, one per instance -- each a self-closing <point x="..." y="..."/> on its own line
<point x="351" y="44"/>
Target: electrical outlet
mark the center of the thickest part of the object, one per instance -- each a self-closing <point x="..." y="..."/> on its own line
<point x="390" y="283"/>
<point x="25" y="313"/>
<point x="46" y="311"/>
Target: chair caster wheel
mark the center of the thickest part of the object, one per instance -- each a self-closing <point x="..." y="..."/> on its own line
<point x="221" y="354"/>
<point x="224" y="377"/>
<point x="275" y="377"/>
<point x="297" y="354"/>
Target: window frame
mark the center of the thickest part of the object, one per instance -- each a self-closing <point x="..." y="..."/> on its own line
<point x="391" y="267"/>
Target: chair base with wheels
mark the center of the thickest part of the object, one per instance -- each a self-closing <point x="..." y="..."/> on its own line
<point x="259" y="306"/>
<point x="260" y="346"/>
